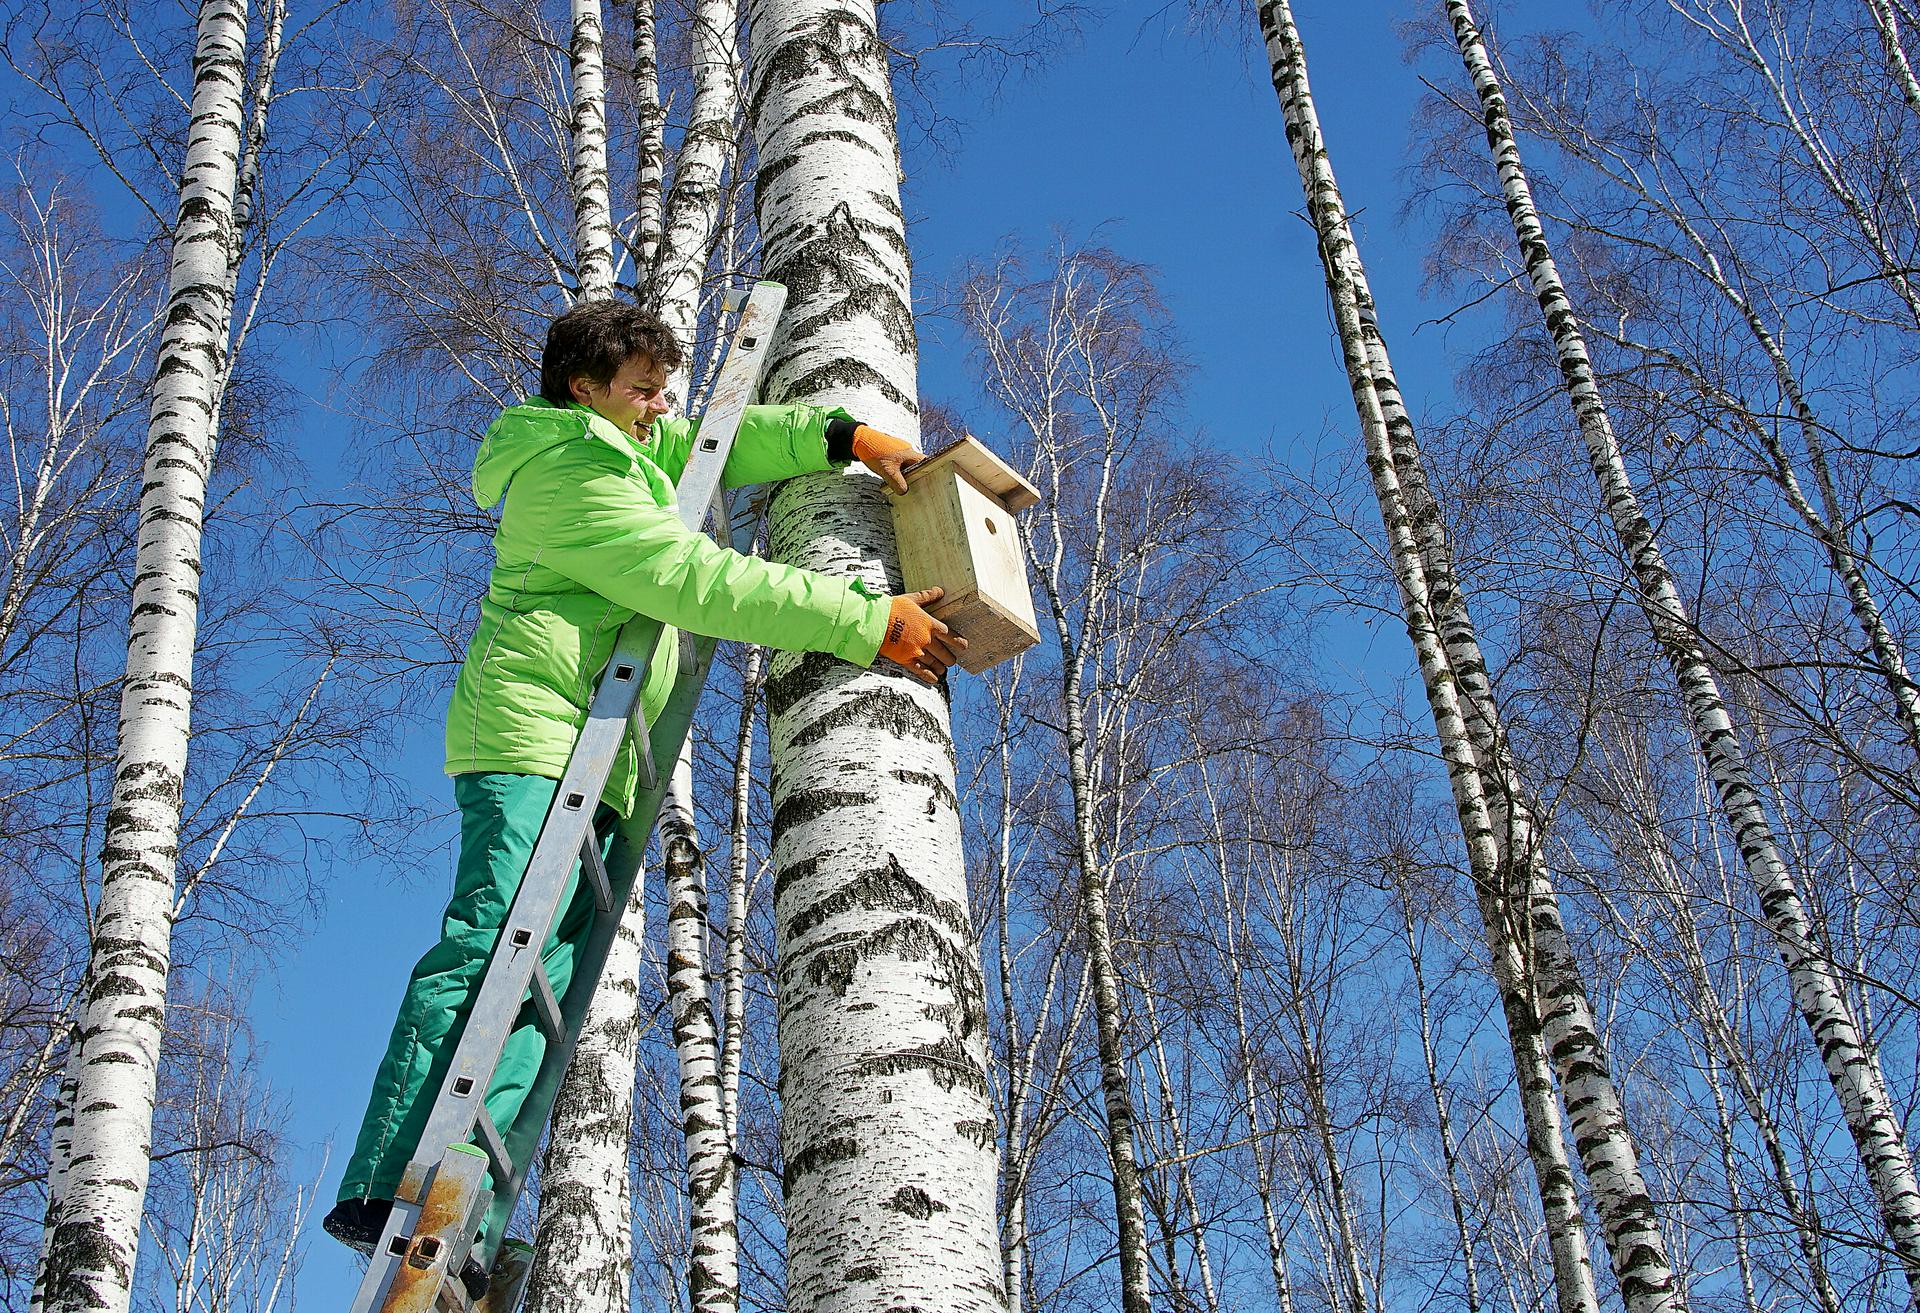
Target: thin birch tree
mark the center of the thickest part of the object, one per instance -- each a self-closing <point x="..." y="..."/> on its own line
<point x="887" y="1130"/>
<point x="583" y="1258"/>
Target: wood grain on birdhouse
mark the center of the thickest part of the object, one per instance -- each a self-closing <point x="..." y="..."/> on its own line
<point x="955" y="530"/>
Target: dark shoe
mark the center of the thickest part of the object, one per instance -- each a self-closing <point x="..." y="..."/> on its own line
<point x="475" y="1280"/>
<point x="357" y="1223"/>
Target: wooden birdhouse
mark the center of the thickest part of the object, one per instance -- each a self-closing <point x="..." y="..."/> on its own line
<point x="954" y="526"/>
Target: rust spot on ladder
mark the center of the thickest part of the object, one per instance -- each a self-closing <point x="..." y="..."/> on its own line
<point x="424" y="1270"/>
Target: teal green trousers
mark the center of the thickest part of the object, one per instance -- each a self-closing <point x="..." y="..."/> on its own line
<point x="500" y="817"/>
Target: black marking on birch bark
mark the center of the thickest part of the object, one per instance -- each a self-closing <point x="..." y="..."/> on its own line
<point x="914" y="1202"/>
<point x="811" y="804"/>
<point x="849" y="375"/>
<point x="888" y="887"/>
<point x="942" y="791"/>
<point x="77" y="1248"/>
<point x="800" y="870"/>
<point x="831" y="44"/>
<point x="832" y="962"/>
<point x="947" y="1061"/>
<point x="822" y="1153"/>
<point x="771" y="174"/>
<point x="110" y="1058"/>
<point x="812" y="673"/>
<point x="978" y="1133"/>
<point x="891" y="709"/>
<point x="863" y="1272"/>
<point x="116" y="950"/>
<point x="831" y="281"/>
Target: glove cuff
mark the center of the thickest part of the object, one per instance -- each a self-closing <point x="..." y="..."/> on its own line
<point x="840" y="439"/>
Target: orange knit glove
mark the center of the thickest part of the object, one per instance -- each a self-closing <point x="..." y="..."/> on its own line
<point x="921" y="645"/>
<point x="885" y="454"/>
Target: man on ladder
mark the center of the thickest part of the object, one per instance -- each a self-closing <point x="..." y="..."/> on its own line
<point x="588" y="538"/>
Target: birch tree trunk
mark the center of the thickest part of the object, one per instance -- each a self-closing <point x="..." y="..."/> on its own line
<point x="690" y="225"/>
<point x="1897" y="63"/>
<point x="694" y="203"/>
<point x="650" y="151"/>
<point x="91" y="1253"/>
<point x="887" y="1129"/>
<point x="713" y="1273"/>
<point x="592" y="206"/>
<point x="1496" y="822"/>
<point x="1129" y="1204"/>
<point x="583" y="1261"/>
<point x="1443" y="1120"/>
<point x="1852" y="1065"/>
<point x="734" y="1007"/>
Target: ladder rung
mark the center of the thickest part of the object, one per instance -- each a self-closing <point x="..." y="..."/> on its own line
<point x="546" y="1008"/>
<point x="490" y="1142"/>
<point x="596" y="872"/>
<point x="643" y="745"/>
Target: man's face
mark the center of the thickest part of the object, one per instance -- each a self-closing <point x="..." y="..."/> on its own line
<point x="632" y="399"/>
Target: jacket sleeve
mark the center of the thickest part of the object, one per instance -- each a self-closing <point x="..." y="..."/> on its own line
<point x="606" y="534"/>
<point x="774" y="443"/>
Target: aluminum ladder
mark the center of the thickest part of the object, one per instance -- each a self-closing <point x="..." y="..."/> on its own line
<point x="461" y="1176"/>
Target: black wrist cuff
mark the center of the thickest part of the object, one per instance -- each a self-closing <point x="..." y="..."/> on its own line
<point x="840" y="439"/>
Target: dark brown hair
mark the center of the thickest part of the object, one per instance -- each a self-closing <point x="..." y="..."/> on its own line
<point x="595" y="338"/>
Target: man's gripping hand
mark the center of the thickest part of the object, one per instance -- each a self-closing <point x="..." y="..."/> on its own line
<point x="885" y="455"/>
<point x="921" y="645"/>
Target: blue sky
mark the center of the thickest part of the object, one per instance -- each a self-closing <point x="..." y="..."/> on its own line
<point x="1166" y="145"/>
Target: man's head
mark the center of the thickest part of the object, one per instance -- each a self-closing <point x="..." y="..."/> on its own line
<point x="612" y="357"/>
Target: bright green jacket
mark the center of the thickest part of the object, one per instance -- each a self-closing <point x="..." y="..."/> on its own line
<point x="588" y="538"/>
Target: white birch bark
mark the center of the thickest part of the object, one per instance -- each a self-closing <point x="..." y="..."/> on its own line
<point x="1852" y="1065"/>
<point x="690" y="224"/>
<point x="887" y="1130"/>
<point x="592" y="204"/>
<point x="1501" y="840"/>
<point x="91" y="1254"/>
<point x="1013" y="1193"/>
<point x="1520" y="915"/>
<point x="713" y="1272"/>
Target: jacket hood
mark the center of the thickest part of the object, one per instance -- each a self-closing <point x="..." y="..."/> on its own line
<point x="523" y="432"/>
